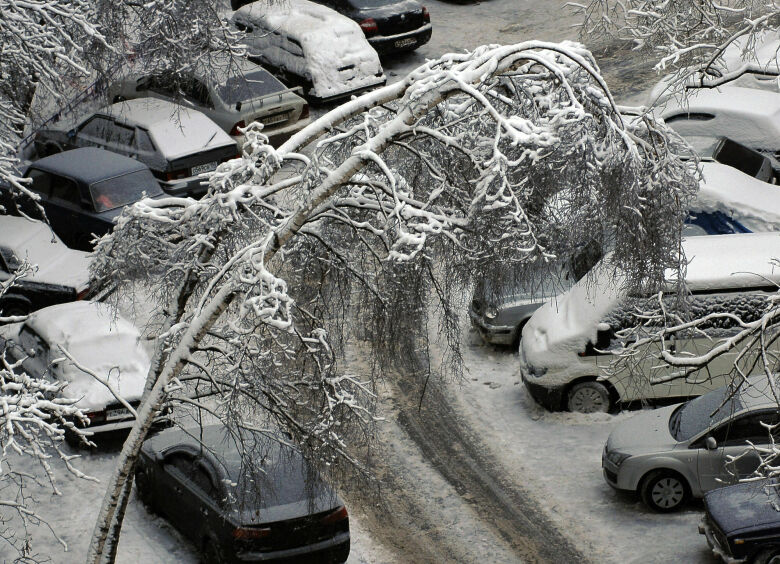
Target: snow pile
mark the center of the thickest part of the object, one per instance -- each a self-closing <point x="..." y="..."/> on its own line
<point x="313" y="42"/>
<point x="101" y="342"/>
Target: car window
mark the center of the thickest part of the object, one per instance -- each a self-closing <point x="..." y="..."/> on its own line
<point x="203" y="480"/>
<point x="157" y="83"/>
<point x="98" y="127"/>
<point x="181" y="461"/>
<point x="693" y="116"/>
<point x="41" y="181"/>
<point x="143" y="141"/>
<point x="197" y="91"/>
<point x="122" y="190"/>
<point x="36" y="349"/>
<point x="65" y="189"/>
<point x="121" y="134"/>
<point x="746" y="428"/>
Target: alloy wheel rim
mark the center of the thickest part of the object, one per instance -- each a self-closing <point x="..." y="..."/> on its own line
<point x="667" y="492"/>
<point x="588" y="400"/>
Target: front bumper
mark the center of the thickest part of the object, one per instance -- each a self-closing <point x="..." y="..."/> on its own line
<point x="330" y="550"/>
<point x="385" y="44"/>
<point x="493" y="334"/>
<point x="722" y="552"/>
<point x="550" y="398"/>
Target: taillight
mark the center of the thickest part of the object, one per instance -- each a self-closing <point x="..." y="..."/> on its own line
<point x="304" y="112"/>
<point x="250" y="533"/>
<point x="235" y="130"/>
<point x="96" y="416"/>
<point x="369" y="26"/>
<point x="426" y="15"/>
<point x="339" y="515"/>
<point x="176" y="174"/>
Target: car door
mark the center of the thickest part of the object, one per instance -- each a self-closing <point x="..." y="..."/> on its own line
<point x="94" y="132"/>
<point x="733" y="439"/>
<point x="177" y="467"/>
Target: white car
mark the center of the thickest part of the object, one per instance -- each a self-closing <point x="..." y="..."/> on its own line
<point x="566" y="347"/>
<point x="59" y="274"/>
<point x="312" y="44"/>
<point x="98" y="339"/>
<point x="747" y="115"/>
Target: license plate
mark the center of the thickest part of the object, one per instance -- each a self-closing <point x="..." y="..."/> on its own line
<point x="119" y="413"/>
<point x="270" y="120"/>
<point x="200" y="169"/>
<point x="405" y="42"/>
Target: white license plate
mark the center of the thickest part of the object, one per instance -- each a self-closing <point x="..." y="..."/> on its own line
<point x="275" y="119"/>
<point x="405" y="42"/>
<point x="119" y="413"/>
<point x="200" y="169"/>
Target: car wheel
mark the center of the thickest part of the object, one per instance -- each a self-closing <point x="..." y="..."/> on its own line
<point x="665" y="491"/>
<point x="211" y="553"/>
<point x="769" y="556"/>
<point x="589" y="397"/>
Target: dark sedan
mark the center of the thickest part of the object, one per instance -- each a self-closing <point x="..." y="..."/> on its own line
<point x="84" y="190"/>
<point x="742" y="523"/>
<point x="267" y="505"/>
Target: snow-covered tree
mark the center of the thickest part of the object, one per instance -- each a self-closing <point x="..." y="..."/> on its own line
<point x="687" y="36"/>
<point x="382" y="211"/>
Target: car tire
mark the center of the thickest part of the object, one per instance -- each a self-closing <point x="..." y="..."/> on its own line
<point x="588" y="397"/>
<point x="664" y="491"/>
<point x="211" y="553"/>
<point x="769" y="556"/>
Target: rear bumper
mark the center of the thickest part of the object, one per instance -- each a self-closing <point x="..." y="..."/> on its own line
<point x="406" y="41"/>
<point x="717" y="549"/>
<point x="194" y="187"/>
<point x="335" y="549"/>
<point x="548" y="397"/>
<point x="277" y="135"/>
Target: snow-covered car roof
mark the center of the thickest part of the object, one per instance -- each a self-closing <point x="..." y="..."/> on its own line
<point x="716" y="262"/>
<point x="751" y="202"/>
<point x="748" y="115"/>
<point x="331" y="43"/>
<point x="34" y="241"/>
<point x="99" y="339"/>
<point x="176" y="131"/>
<point x="89" y="165"/>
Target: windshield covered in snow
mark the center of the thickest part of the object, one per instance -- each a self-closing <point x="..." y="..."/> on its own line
<point x="248" y="87"/>
<point x="696" y="416"/>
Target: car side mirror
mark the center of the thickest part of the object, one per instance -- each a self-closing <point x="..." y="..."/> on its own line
<point x="238" y="106"/>
<point x="30" y="353"/>
<point x="710" y="443"/>
<point x="71" y="133"/>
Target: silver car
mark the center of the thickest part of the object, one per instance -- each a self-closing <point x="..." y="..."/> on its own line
<point x="233" y="94"/>
<point x="667" y="455"/>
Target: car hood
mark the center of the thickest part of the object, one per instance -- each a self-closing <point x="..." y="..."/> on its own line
<point x="69" y="268"/>
<point x="646" y="432"/>
<point x="744" y="507"/>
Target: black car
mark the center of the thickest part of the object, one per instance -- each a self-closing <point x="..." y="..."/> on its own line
<point x="266" y="505"/>
<point x="84" y="190"/>
<point x="742" y="522"/>
<point x="61" y="274"/>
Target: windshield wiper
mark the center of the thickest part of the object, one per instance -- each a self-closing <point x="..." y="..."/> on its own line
<point x="210" y="138"/>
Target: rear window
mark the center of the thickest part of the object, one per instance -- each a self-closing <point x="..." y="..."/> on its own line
<point x="248" y="87"/>
<point x="122" y="190"/>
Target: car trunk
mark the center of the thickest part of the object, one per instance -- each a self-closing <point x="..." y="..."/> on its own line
<point x="401" y="22"/>
<point x="192" y="165"/>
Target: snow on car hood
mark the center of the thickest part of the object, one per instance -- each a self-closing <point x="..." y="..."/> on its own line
<point x="751" y="202"/>
<point x="644" y="433"/>
<point x="564" y="325"/>
<point x="99" y="340"/>
<point x="744" y="507"/>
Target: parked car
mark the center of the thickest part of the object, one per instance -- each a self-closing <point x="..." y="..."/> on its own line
<point x="669" y="454"/>
<point x="232" y="93"/>
<point x="267" y="505"/>
<point x="728" y="201"/>
<point x="391" y="26"/>
<point x="83" y="191"/>
<point x="566" y="345"/>
<point x="311" y="45"/>
<point x="60" y="274"/>
<point x="98" y="339"/>
<point x="747" y="115"/>
<point x="177" y="143"/>
<point x="742" y="523"/>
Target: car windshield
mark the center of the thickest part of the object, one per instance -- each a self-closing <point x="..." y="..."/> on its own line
<point x="248" y="87"/>
<point x="122" y="190"/>
<point x="697" y="415"/>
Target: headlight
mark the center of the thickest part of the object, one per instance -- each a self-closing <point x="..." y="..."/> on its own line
<point x="491" y="312"/>
<point x="617" y="458"/>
